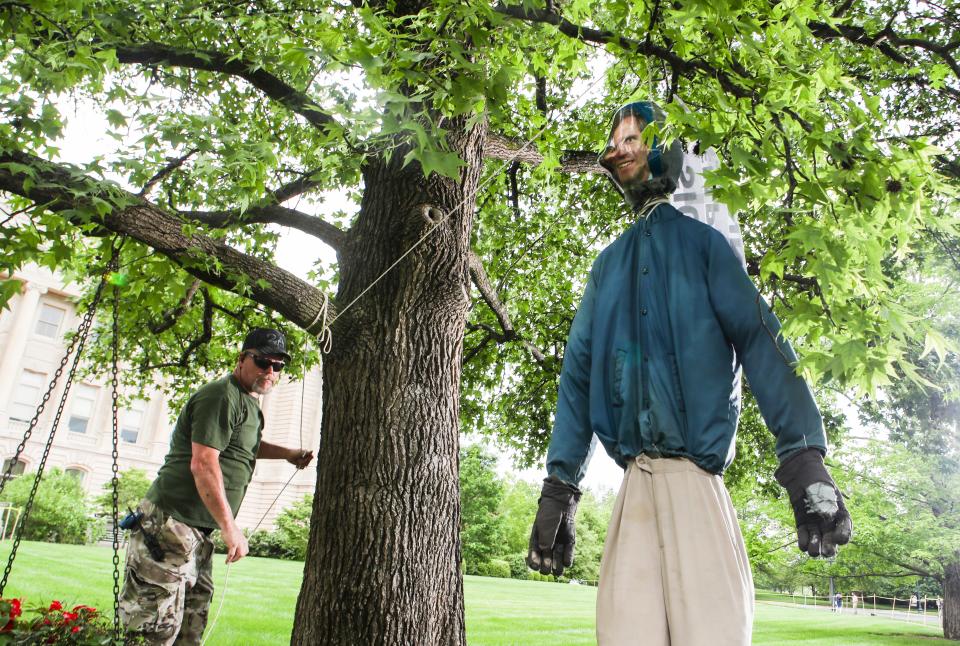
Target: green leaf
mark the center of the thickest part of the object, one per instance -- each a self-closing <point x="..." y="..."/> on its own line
<point x="116" y="118"/>
<point x="8" y="289"/>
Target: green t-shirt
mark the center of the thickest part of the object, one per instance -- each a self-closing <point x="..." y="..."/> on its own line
<point x="219" y="415"/>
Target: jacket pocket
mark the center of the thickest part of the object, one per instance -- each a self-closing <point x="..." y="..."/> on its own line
<point x="619" y="365"/>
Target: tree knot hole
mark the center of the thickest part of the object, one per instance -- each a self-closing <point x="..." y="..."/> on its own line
<point x="431" y="214"/>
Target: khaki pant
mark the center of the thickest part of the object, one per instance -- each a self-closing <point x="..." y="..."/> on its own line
<point x="167" y="601"/>
<point x="674" y="569"/>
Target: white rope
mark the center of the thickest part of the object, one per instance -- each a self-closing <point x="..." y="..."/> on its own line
<point x="223" y="595"/>
<point x="325" y="336"/>
<point x="439" y="222"/>
<point x="651" y="205"/>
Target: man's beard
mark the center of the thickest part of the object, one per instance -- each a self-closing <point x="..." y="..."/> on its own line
<point x="261" y="386"/>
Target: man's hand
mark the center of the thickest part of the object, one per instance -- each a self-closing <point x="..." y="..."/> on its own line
<point x="237" y="546"/>
<point x="822" y="519"/>
<point x="300" y="458"/>
<point x="553" y="536"/>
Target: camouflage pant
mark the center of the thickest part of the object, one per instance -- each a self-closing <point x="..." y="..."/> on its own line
<point x="167" y="602"/>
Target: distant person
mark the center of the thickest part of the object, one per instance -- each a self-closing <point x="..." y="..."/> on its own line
<point x="837" y="602"/>
<point x="913" y="602"/>
<point x="213" y="449"/>
<point x="854" y="600"/>
<point x="652" y="370"/>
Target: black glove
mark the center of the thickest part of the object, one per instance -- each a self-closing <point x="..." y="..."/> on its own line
<point x="822" y="520"/>
<point x="553" y="535"/>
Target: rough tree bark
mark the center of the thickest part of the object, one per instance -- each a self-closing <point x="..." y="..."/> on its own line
<point x="951" y="599"/>
<point x="383" y="556"/>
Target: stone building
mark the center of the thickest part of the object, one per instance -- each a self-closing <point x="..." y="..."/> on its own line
<point x="31" y="346"/>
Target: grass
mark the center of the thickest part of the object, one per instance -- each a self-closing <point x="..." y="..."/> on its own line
<point x="262" y="593"/>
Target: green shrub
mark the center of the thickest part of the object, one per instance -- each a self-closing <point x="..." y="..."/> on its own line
<point x="288" y="541"/>
<point x="536" y="576"/>
<point x="495" y="568"/>
<point x="132" y="485"/>
<point x="60" y="512"/>
<point x="293" y="527"/>
<point x="269" y="545"/>
<point x="518" y="566"/>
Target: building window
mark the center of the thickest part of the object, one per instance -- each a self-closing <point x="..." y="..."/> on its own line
<point x="132" y="421"/>
<point x="18" y="468"/>
<point x="84" y="400"/>
<point x="27" y="396"/>
<point x="48" y="323"/>
<point x="77" y="473"/>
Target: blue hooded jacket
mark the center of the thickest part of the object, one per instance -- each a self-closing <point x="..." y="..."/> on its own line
<point x="652" y="363"/>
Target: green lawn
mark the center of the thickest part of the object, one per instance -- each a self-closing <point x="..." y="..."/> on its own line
<point x="261" y="595"/>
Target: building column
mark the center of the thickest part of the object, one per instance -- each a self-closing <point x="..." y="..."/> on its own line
<point x="12" y="355"/>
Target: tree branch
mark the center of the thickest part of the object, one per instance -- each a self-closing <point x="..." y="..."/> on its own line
<point x="479" y="276"/>
<point x="170" y="317"/>
<point x="214" y="61"/>
<point x="275" y="214"/>
<point x="297" y="187"/>
<point x="753" y="268"/>
<point x="470" y="354"/>
<point x="915" y="570"/>
<point x="64" y="189"/>
<point x="572" y="161"/>
<point x="205" y="335"/>
<point x="603" y="37"/>
<point x="885" y="41"/>
<point x="172" y="165"/>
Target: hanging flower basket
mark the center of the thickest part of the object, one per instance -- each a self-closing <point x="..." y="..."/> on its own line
<point x="54" y="624"/>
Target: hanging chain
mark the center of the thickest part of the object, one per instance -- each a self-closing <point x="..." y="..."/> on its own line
<point x="114" y="383"/>
<point x="78" y="341"/>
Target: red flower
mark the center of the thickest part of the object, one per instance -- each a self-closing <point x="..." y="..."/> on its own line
<point x="69" y="616"/>
<point x="82" y="608"/>
<point x="75" y="629"/>
<point x="15" y="611"/>
<point x="56" y="605"/>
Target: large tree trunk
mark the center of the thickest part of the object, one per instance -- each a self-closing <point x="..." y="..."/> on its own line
<point x="383" y="562"/>
<point x="951" y="599"/>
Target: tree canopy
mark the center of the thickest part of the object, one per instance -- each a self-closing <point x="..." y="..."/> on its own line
<point x="836" y="124"/>
<point x="465" y="134"/>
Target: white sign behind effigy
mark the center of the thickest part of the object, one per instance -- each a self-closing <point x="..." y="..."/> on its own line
<point x="694" y="200"/>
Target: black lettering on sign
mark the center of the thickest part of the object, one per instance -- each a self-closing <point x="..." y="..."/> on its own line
<point x="687" y="176"/>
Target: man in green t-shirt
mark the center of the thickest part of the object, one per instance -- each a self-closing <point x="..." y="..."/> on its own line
<point x="213" y="450"/>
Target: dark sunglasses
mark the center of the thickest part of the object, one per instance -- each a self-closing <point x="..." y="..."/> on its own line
<point x="263" y="363"/>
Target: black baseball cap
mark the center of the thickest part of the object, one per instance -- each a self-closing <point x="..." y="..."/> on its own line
<point x="266" y="341"/>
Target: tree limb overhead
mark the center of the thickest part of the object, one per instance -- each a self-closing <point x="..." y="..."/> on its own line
<point x="213" y="61"/>
<point x="507" y="149"/>
<point x="63" y="189"/>
<point x="275" y="214"/>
